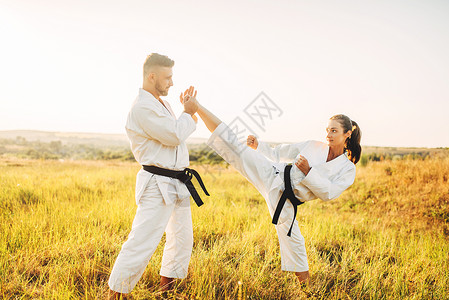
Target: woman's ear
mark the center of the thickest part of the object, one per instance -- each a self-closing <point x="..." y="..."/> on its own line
<point x="348" y="134"/>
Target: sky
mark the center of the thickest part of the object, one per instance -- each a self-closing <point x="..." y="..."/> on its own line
<point x="76" y="66"/>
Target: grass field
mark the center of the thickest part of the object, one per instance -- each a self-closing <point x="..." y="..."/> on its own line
<point x="387" y="237"/>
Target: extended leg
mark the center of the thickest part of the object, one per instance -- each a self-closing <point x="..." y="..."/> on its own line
<point x="251" y="164"/>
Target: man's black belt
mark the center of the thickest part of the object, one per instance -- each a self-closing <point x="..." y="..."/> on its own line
<point x="184" y="176"/>
<point x="287" y="194"/>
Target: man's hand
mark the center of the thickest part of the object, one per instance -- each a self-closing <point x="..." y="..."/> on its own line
<point x="190" y="92"/>
<point x="303" y="165"/>
<point x="252" y="142"/>
<point x="183" y="98"/>
<point x="188" y="99"/>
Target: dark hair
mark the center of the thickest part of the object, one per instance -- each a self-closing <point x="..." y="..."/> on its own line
<point x="352" y="144"/>
<point x="155" y="59"/>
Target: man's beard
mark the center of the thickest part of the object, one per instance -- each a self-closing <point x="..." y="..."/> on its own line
<point x="160" y="90"/>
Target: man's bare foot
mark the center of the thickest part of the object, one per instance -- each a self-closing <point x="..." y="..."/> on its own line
<point x="112" y="295"/>
<point x="303" y="277"/>
<point x="166" y="283"/>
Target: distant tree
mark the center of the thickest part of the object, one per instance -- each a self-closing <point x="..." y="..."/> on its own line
<point x="21" y="140"/>
<point x="56" y="146"/>
<point x="364" y="160"/>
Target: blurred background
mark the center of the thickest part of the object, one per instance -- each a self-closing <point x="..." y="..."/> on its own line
<point x="76" y="66"/>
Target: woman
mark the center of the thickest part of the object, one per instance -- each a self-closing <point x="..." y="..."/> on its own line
<point x="319" y="171"/>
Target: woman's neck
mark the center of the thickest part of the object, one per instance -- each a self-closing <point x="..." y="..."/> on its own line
<point x="335" y="152"/>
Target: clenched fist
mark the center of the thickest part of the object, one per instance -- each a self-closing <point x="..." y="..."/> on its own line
<point x="303" y="164"/>
<point x="252" y="142"/>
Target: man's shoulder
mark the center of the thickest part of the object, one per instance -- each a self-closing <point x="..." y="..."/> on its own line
<point x="144" y="104"/>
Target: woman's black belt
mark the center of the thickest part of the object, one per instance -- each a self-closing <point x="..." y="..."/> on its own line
<point x="287" y="194"/>
<point x="184" y="176"/>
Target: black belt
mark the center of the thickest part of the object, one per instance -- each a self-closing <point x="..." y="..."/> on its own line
<point x="287" y="194"/>
<point x="185" y="176"/>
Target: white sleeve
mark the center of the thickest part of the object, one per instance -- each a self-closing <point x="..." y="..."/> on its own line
<point x="163" y="128"/>
<point x="325" y="189"/>
<point x="281" y="153"/>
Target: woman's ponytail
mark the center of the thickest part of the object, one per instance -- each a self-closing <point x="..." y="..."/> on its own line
<point x="353" y="142"/>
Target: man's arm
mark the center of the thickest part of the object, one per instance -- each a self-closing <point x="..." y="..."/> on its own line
<point x="163" y="128"/>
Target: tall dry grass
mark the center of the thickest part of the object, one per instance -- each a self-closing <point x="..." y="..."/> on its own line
<point x="63" y="223"/>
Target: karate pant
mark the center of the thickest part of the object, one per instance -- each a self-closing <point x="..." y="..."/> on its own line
<point x="260" y="171"/>
<point x="153" y="217"/>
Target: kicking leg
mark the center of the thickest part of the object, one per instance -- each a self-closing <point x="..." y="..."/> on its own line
<point x="250" y="163"/>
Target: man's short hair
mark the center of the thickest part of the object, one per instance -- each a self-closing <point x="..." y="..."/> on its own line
<point x="155" y="59"/>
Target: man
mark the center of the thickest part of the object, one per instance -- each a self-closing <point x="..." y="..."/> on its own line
<point x="158" y="143"/>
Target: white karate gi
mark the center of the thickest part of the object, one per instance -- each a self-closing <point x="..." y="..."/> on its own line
<point x="326" y="180"/>
<point x="163" y="204"/>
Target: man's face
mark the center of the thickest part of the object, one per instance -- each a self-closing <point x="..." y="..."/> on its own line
<point x="163" y="80"/>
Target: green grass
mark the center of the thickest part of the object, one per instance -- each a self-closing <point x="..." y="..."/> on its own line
<point x="63" y="223"/>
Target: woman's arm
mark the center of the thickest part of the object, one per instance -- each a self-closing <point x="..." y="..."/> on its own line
<point x="326" y="189"/>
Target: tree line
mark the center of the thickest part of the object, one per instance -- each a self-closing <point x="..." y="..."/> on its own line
<point x="199" y="153"/>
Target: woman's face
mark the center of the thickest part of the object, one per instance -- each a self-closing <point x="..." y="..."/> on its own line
<point x="336" y="137"/>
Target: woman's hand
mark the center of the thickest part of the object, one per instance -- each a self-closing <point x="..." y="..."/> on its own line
<point x="303" y="165"/>
<point x="252" y="142"/>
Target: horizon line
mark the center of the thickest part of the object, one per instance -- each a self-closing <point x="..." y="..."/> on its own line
<point x="197" y="137"/>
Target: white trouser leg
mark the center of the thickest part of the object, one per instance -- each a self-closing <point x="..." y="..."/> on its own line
<point x="251" y="164"/>
<point x="293" y="248"/>
<point x="149" y="224"/>
<point x="179" y="242"/>
<point x="255" y="167"/>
